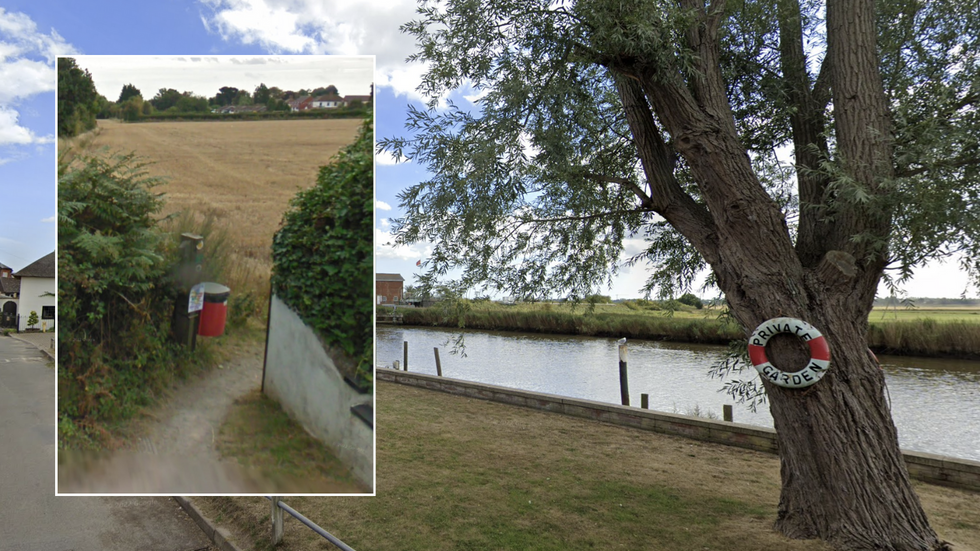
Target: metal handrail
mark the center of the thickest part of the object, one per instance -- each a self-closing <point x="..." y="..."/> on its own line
<point x="312" y="525"/>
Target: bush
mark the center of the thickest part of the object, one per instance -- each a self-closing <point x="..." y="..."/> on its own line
<point x="323" y="256"/>
<point x="691" y="300"/>
<point x="113" y="295"/>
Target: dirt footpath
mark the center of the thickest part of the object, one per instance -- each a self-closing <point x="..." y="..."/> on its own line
<point x="171" y="450"/>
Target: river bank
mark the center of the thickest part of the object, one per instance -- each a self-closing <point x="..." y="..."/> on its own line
<point x="954" y="337"/>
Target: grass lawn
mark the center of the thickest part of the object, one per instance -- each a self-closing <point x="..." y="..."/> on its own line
<point x="458" y="473"/>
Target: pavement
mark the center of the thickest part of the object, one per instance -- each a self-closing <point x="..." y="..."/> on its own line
<point x="44" y="342"/>
<point x="32" y="517"/>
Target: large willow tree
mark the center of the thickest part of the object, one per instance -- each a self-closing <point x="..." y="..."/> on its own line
<point x="606" y="120"/>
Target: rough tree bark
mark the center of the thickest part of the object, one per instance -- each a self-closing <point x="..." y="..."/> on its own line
<point x="844" y="478"/>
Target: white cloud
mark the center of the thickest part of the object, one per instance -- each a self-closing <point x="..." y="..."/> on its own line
<point x="473" y="98"/>
<point x="49" y="219"/>
<point x="25" y="38"/>
<point x="317" y="27"/>
<point x="12" y="133"/>
<point x="27" y="60"/>
<point x="387" y="159"/>
<point x="385" y="223"/>
<point x="385" y="248"/>
<point x="381" y="205"/>
<point x="23" y="78"/>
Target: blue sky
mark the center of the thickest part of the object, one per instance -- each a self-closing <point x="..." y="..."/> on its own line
<point x="32" y="32"/>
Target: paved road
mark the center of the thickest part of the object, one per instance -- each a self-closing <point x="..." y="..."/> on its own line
<point x="32" y="518"/>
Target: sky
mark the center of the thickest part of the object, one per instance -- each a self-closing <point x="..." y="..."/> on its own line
<point x="33" y="32"/>
<point x="205" y="75"/>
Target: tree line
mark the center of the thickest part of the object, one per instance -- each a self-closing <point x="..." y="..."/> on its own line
<point x="80" y="104"/>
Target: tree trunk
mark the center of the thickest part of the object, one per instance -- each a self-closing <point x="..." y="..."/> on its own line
<point x="844" y="479"/>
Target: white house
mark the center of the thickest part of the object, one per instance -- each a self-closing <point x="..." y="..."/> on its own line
<point x="329" y="101"/>
<point x="38" y="292"/>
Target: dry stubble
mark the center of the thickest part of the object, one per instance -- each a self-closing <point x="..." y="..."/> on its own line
<point x="245" y="172"/>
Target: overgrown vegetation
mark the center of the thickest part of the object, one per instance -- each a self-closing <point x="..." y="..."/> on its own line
<point x="323" y="256"/>
<point x="116" y="294"/>
<point x="249" y="288"/>
<point x="114" y="298"/>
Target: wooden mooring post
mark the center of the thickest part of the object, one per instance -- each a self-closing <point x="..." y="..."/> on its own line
<point x="645" y="401"/>
<point x="624" y="387"/>
<point x="727" y="412"/>
<point x="405" y="356"/>
<point x="438" y="364"/>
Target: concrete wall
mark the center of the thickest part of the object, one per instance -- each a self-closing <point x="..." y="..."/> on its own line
<point x="937" y="469"/>
<point x="301" y="376"/>
<point x="31" y="289"/>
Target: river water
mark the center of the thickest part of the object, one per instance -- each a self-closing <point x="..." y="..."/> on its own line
<point x="935" y="403"/>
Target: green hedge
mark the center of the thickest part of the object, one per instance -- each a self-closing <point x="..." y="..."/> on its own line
<point x="323" y="256"/>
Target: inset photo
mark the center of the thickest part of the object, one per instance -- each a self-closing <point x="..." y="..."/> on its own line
<point x="215" y="272"/>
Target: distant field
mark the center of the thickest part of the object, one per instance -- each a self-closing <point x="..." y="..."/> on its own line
<point x="244" y="172"/>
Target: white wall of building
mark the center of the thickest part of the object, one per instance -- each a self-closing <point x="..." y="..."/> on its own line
<point x="32" y="290"/>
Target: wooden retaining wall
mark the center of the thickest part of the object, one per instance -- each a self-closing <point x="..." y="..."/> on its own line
<point x="936" y="469"/>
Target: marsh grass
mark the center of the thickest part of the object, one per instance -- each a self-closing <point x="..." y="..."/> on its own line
<point x="697" y="329"/>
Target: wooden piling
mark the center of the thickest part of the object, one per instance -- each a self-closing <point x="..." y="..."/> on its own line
<point x="624" y="387"/>
<point x="727" y="412"/>
<point x="645" y="401"/>
<point x="438" y="364"/>
<point x="405" y="356"/>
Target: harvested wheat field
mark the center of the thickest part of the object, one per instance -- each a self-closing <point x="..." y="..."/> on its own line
<point x="242" y="172"/>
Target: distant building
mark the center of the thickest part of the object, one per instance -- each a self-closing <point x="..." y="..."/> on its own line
<point x="38" y="291"/>
<point x="9" y="295"/>
<point x="301" y="103"/>
<point x="389" y="288"/>
<point x="366" y="101"/>
<point x="328" y="101"/>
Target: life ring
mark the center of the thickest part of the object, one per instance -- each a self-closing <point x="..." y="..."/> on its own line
<point x="819" y="352"/>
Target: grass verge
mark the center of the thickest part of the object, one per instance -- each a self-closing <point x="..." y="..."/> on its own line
<point x="263" y="438"/>
<point x="459" y="473"/>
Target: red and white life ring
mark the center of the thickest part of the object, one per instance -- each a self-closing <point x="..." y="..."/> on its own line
<point x="819" y="352"/>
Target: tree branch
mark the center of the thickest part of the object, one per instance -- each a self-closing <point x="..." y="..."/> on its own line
<point x="958" y="162"/>
<point x="581" y="218"/>
<point x="667" y="198"/>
